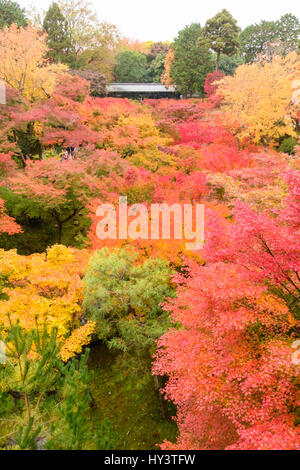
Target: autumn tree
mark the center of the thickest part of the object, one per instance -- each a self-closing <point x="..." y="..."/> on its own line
<point x="101" y="56"/>
<point x="192" y="61"/>
<point x="221" y="33"/>
<point x="230" y="364"/>
<point x="53" y="194"/>
<point x="11" y="12"/>
<point x="97" y="81"/>
<point x="166" y="75"/>
<point x="259" y="97"/>
<point x="211" y="82"/>
<point x="158" y="48"/>
<point x="7" y="224"/>
<point x="23" y="65"/>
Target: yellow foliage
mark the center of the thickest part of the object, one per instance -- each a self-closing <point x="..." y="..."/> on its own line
<point x="259" y="97"/>
<point x="22" y="62"/>
<point x="153" y="159"/>
<point x="166" y="76"/>
<point x="45" y="286"/>
<point x="79" y="337"/>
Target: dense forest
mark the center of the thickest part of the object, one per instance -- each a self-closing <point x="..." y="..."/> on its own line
<point x="131" y="342"/>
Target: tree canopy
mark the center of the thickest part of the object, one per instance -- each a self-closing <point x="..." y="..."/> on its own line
<point x="11" y="12"/>
<point x="221" y="33"/>
<point x="58" y="37"/>
<point x="254" y="37"/>
<point x="131" y="66"/>
<point x="192" y="60"/>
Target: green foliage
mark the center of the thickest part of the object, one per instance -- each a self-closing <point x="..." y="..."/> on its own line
<point x="156" y="68"/>
<point x="28" y="379"/>
<point x="44" y="226"/>
<point x="131" y="66"/>
<point x="58" y="40"/>
<point x="52" y="399"/>
<point x="221" y="34"/>
<point x="287" y="145"/>
<point x="3" y="284"/>
<point x="101" y="56"/>
<point x="193" y="61"/>
<point x="11" y="12"/>
<point x="124" y="298"/>
<point x="72" y="429"/>
<point x="254" y="37"/>
<point x="228" y="65"/>
<point x="129" y="399"/>
<point x="27" y="141"/>
<point x="288" y="30"/>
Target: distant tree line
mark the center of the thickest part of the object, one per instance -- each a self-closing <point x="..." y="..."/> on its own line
<point x="96" y="50"/>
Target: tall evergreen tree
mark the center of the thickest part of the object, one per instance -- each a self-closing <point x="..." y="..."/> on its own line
<point x="59" y="41"/>
<point x="11" y="12"/>
<point x="192" y="61"/>
<point x="221" y="33"/>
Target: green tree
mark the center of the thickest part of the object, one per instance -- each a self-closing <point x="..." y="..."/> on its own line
<point x="46" y="400"/>
<point x="156" y="68"/>
<point x="221" y="33"/>
<point x="131" y="67"/>
<point x="288" y="30"/>
<point x="58" y="40"/>
<point x="82" y="22"/>
<point x="11" y="12"/>
<point x="228" y="64"/>
<point x="193" y="61"/>
<point x="254" y="37"/>
<point x="124" y="298"/>
<point x="101" y="57"/>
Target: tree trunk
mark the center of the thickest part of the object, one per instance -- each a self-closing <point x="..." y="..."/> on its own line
<point x="218" y="60"/>
<point x="163" y="402"/>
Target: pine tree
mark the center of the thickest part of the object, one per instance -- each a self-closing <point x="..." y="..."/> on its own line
<point x="59" y="41"/>
<point x="47" y="401"/>
<point x="11" y="12"/>
<point x="221" y="33"/>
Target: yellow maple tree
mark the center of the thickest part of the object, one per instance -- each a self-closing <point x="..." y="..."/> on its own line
<point x="166" y="76"/>
<point x="259" y="97"/>
<point x="23" y="65"/>
<point x="46" y="288"/>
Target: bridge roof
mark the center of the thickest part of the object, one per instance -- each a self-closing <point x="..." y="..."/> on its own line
<point x="139" y="88"/>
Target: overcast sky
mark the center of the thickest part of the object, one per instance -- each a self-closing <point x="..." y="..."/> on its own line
<point x="160" y="20"/>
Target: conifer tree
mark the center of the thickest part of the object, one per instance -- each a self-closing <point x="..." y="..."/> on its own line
<point x="221" y="33"/>
<point x="11" y="12"/>
<point x="192" y="61"/>
<point x="58" y="41"/>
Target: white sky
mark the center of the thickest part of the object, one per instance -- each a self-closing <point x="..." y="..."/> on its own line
<point x="160" y="20"/>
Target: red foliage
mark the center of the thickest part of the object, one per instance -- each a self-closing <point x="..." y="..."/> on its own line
<point x="210" y="86"/>
<point x="230" y="366"/>
<point x="7" y="224"/>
